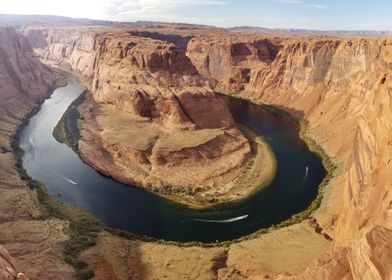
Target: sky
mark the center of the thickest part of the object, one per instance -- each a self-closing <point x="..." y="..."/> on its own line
<point x="307" y="14"/>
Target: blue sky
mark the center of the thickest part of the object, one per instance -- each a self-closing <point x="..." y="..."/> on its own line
<point x="309" y="14"/>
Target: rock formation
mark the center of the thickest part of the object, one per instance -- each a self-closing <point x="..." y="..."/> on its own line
<point x="36" y="245"/>
<point x="19" y="69"/>
<point x="8" y="270"/>
<point x="341" y="86"/>
<point x="230" y="60"/>
<point x="184" y="140"/>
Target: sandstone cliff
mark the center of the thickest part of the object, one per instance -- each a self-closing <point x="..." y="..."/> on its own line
<point x="152" y="119"/>
<point x="36" y="245"/>
<point x="23" y="81"/>
<point x="343" y="87"/>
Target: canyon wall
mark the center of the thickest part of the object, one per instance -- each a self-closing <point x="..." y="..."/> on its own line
<point x="24" y="80"/>
<point x="35" y="243"/>
<point x="343" y="88"/>
<point x="184" y="139"/>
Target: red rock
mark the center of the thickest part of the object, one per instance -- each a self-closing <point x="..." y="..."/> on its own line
<point x="8" y="270"/>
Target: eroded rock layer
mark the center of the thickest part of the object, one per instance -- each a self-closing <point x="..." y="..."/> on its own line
<point x="8" y="269"/>
<point x="24" y="80"/>
<point x="341" y="86"/>
<point x="152" y="119"/>
<point x="35" y="244"/>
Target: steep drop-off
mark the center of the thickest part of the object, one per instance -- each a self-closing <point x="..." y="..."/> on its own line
<point x="36" y="244"/>
<point x="342" y="88"/>
<point x="19" y="70"/>
<point x="152" y="119"/>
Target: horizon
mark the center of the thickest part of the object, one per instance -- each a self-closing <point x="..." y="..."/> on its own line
<point x="320" y="15"/>
<point x="206" y="25"/>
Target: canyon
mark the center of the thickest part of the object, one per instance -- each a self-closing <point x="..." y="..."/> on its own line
<point x="185" y="144"/>
<point x="36" y="244"/>
<point x="340" y="87"/>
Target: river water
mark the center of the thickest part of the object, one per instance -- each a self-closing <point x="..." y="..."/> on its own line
<point x="295" y="186"/>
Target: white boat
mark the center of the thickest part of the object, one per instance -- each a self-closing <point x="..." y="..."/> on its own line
<point x="223" y="221"/>
<point x="306" y="172"/>
<point x="68" y="180"/>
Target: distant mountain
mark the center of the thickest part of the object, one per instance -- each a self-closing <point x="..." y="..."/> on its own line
<point x="251" y="29"/>
<point x="21" y="20"/>
<point x="18" y="21"/>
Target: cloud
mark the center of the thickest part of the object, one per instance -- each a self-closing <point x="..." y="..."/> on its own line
<point x="288" y="1"/>
<point x="72" y="8"/>
<point x="320" y="7"/>
<point x="302" y="3"/>
<point x="156" y="9"/>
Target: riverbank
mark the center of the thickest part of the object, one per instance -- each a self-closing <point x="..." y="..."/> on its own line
<point x="293" y="219"/>
<point x="314" y="205"/>
<point x="66" y="131"/>
<point x="313" y="146"/>
<point x="85" y="236"/>
<point x="79" y="227"/>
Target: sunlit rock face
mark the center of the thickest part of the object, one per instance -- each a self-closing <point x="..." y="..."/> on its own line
<point x="152" y="119"/>
<point x="23" y="80"/>
<point x="36" y="245"/>
<point x="341" y="86"/>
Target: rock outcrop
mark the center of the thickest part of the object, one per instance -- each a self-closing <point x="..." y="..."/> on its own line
<point x="230" y="60"/>
<point x="8" y="269"/>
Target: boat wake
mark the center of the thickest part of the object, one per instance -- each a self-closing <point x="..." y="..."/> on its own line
<point x="306" y="173"/>
<point x="223" y="221"/>
<point x="68" y="180"/>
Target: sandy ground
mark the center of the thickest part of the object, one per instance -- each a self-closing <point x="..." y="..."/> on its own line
<point x="288" y="250"/>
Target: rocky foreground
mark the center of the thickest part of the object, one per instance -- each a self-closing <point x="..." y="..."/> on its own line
<point x="341" y="86"/>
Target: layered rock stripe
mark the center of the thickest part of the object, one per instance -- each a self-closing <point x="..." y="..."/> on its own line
<point x="342" y="86"/>
<point x="36" y="245"/>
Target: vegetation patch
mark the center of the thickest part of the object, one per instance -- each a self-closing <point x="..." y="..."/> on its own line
<point x="313" y="146"/>
<point x="59" y="132"/>
<point x="120" y="127"/>
<point x="83" y="227"/>
<point x="257" y="174"/>
<point x="66" y="131"/>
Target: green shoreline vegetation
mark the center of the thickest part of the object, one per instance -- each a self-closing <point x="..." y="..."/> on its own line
<point x="66" y="130"/>
<point x="257" y="142"/>
<point x="313" y="146"/>
<point x="253" y="180"/>
<point x="84" y="228"/>
<point x="59" y="132"/>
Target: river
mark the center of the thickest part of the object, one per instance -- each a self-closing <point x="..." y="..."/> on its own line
<point x="295" y="186"/>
